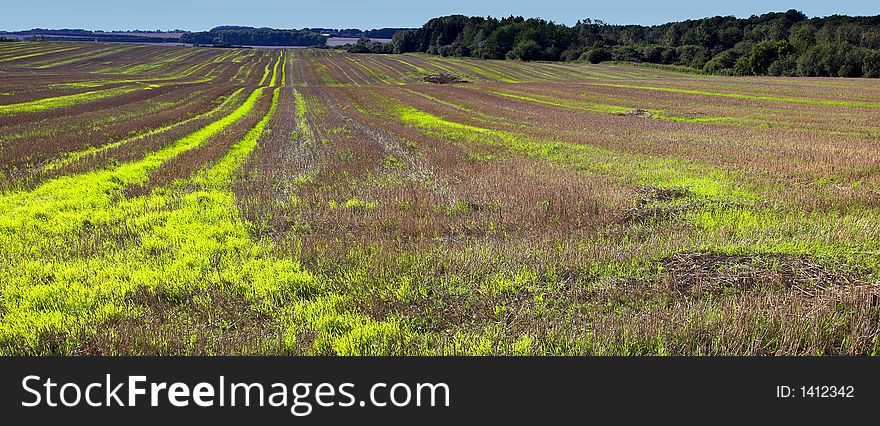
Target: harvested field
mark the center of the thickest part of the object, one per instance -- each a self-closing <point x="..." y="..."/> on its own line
<point x="174" y="200"/>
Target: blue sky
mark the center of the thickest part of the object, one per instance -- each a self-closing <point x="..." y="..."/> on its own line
<point x="203" y="14"/>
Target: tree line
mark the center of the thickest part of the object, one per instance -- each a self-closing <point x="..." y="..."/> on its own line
<point x="778" y="43"/>
<point x="246" y="36"/>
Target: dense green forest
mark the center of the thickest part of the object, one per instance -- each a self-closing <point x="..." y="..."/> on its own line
<point x="246" y="36"/>
<point x="784" y="43"/>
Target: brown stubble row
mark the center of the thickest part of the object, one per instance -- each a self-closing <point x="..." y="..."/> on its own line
<point x="265" y="184"/>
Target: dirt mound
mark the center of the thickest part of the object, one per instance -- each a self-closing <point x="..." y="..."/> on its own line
<point x="636" y="113"/>
<point x="443" y="78"/>
<point x="648" y="209"/>
<point x="656" y="193"/>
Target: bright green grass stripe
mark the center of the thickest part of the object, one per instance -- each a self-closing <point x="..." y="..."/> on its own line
<point x="171" y="57"/>
<point x="178" y="76"/>
<point x="29" y="53"/>
<point x="103" y="82"/>
<point x="275" y="69"/>
<point x="350" y="79"/>
<point x="379" y="75"/>
<point x="590" y="72"/>
<point x="485" y="72"/>
<point x="120" y="67"/>
<point x="610" y="109"/>
<point x="702" y="179"/>
<point x="223" y="58"/>
<point x="61" y="205"/>
<point x="113" y="118"/>
<point x="9" y="48"/>
<point x="542" y="71"/>
<point x="744" y="96"/>
<point x="89" y="84"/>
<point x="572" y="71"/>
<point x="441" y="65"/>
<point x="244" y="71"/>
<point x="628" y="72"/>
<point x="157" y="63"/>
<point x="221" y="173"/>
<point x="301" y="107"/>
<point x="569" y="71"/>
<point x="499" y="71"/>
<point x="265" y="76"/>
<point x="67" y="100"/>
<point x="243" y="55"/>
<point x="474" y="114"/>
<point x="75" y="156"/>
<point x="516" y="70"/>
<point x="40" y="53"/>
<point x="593" y="70"/>
<point x="284" y="72"/>
<point x="143" y="67"/>
<point x="186" y="73"/>
<point x="24" y="47"/>
<point x="370" y="63"/>
<point x="302" y="124"/>
<point x="91" y="56"/>
<point x="71" y="58"/>
<point x="411" y="65"/>
<point x="324" y="74"/>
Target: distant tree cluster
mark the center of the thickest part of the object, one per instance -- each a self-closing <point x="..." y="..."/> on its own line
<point x="247" y="36"/>
<point x="381" y="33"/>
<point x="365" y="45"/>
<point x="780" y="43"/>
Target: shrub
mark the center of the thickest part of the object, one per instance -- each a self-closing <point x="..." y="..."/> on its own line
<point x="597" y="55"/>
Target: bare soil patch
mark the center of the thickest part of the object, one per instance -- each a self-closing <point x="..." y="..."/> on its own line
<point x="636" y="113"/>
<point x="702" y="273"/>
<point x="443" y="78"/>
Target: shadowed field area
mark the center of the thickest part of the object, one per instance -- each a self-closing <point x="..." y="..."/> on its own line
<point x="172" y="200"/>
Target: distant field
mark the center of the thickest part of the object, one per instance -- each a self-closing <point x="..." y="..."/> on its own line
<point x="172" y="200"/>
<point x="339" y="41"/>
<point x="156" y="35"/>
